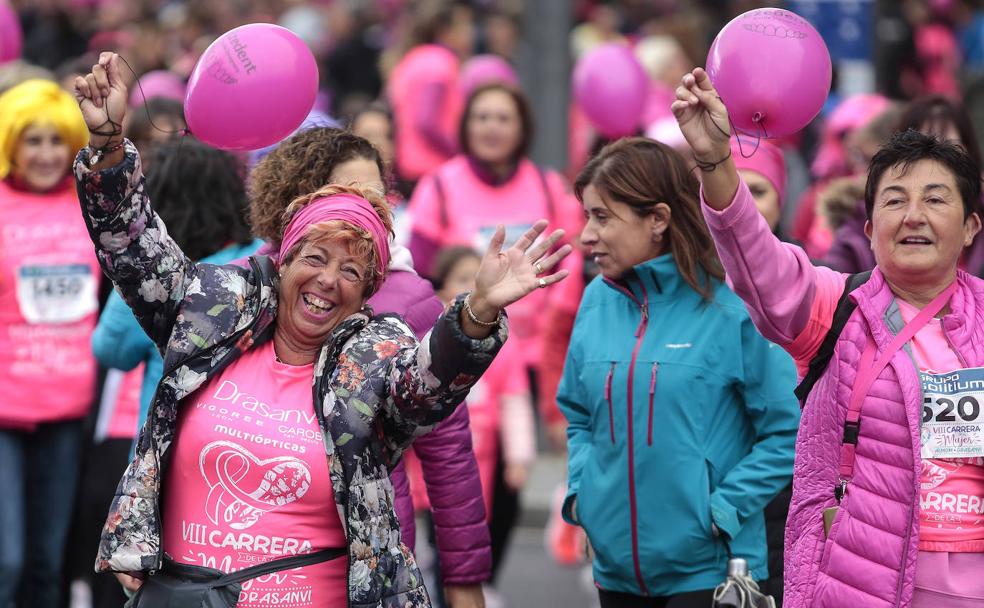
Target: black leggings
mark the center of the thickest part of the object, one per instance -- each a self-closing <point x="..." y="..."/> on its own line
<point x="691" y="599"/>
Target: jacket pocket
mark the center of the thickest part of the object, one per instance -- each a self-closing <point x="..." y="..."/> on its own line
<point x="652" y="395"/>
<point x="608" y="400"/>
<point x="828" y="539"/>
<point x="712" y="482"/>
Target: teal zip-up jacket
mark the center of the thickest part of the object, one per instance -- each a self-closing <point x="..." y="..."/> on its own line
<point x="681" y="415"/>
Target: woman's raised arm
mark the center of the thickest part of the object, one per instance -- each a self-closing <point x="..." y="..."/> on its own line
<point x="136" y="253"/>
<point x="776" y="280"/>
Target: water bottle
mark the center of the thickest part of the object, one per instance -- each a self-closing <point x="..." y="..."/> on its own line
<point x="739" y="591"/>
<point x="737" y="566"/>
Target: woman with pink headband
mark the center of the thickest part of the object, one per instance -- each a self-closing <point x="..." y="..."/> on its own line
<point x="240" y="463"/>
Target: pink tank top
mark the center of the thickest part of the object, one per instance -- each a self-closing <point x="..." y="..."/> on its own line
<point x="952" y="496"/>
<point x="249" y="483"/>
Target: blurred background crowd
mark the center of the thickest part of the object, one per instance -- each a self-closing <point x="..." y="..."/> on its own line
<point x="906" y="62"/>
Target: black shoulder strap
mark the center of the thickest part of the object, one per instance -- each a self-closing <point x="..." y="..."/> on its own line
<point x="284" y="563"/>
<point x="442" y="201"/>
<point x="819" y="362"/>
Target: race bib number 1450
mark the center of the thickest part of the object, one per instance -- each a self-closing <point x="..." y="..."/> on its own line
<point x="952" y="420"/>
<point x="56" y="294"/>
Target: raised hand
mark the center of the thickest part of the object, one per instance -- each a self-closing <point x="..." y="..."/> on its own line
<point x="702" y="117"/>
<point x="506" y="276"/>
<point x="102" y="97"/>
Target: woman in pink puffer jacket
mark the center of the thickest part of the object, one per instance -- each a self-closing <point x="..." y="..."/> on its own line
<point x="896" y="472"/>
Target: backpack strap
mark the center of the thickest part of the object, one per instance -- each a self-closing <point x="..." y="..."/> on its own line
<point x="442" y="202"/>
<point x="284" y="563"/>
<point x="548" y="196"/>
<point x="819" y="362"/>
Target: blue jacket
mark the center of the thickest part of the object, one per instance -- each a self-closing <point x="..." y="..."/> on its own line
<point x="681" y="415"/>
<point x="120" y="343"/>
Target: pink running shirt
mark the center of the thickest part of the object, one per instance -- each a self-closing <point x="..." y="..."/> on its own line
<point x="951" y="514"/>
<point x="49" y="281"/>
<point x="249" y="483"/>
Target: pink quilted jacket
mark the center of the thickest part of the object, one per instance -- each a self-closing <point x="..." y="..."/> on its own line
<point x="869" y="558"/>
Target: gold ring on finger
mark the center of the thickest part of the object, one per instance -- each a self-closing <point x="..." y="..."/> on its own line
<point x="538" y="269"/>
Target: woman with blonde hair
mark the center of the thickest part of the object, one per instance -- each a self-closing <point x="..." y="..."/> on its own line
<point x="48" y="308"/>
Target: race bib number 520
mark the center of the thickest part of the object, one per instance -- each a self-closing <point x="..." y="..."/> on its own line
<point x="952" y="420"/>
<point x="56" y="294"/>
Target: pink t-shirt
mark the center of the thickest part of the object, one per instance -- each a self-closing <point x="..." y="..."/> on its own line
<point x="49" y="279"/>
<point x="474" y="208"/>
<point x="952" y="496"/>
<point x="249" y="483"/>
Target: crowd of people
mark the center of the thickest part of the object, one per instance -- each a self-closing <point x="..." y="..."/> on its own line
<point x="271" y="377"/>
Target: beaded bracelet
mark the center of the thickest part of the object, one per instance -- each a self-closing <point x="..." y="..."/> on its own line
<point x="476" y="320"/>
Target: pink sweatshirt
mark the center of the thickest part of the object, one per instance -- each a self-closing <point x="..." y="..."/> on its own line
<point x="474" y="207"/>
<point x="49" y="281"/>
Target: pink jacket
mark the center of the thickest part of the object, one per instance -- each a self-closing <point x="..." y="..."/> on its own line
<point x="869" y="558"/>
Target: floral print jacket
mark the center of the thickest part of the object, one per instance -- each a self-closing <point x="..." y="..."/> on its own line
<point x="375" y="388"/>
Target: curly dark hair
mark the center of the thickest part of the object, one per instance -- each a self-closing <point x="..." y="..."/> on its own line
<point x="298" y="166"/>
<point x="200" y="193"/>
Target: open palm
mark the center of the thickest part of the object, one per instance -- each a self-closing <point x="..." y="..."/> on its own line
<point x="506" y="276"/>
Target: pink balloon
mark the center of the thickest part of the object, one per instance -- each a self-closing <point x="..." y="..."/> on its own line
<point x="252" y="87"/>
<point x="611" y="87"/>
<point x="158" y="83"/>
<point x="484" y="69"/>
<point x="10" y="34"/>
<point x="772" y="70"/>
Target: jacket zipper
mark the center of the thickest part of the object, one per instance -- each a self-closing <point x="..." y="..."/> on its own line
<point x="633" y="512"/>
<point x="153" y="440"/>
<point x="608" y="398"/>
<point x="323" y="425"/>
<point x="652" y="394"/>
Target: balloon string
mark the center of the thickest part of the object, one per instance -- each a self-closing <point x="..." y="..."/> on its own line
<point x="762" y="134"/>
<point x="181" y="132"/>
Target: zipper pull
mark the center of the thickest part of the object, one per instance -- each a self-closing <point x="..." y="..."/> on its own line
<point x="608" y="382"/>
<point x="608" y="399"/>
<point x="652" y="394"/>
<point x="644" y="322"/>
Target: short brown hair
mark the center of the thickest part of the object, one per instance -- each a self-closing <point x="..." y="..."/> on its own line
<point x="641" y="173"/>
<point x="522" y="108"/>
<point x="299" y="166"/>
<point x="362" y="244"/>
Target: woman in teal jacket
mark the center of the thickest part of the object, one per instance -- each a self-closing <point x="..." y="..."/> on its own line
<point x="682" y="417"/>
<point x="200" y="194"/>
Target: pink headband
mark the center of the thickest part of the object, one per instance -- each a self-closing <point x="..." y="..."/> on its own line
<point x="767" y="161"/>
<point x="345" y="207"/>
